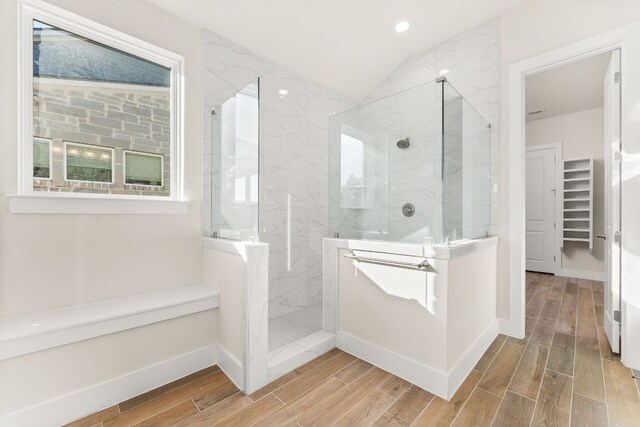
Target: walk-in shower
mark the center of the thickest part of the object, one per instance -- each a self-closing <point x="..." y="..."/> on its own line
<point x="412" y="167"/>
<point x="259" y="189"/>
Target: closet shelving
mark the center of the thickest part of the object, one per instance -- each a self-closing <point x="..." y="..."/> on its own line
<point x="577" y="202"/>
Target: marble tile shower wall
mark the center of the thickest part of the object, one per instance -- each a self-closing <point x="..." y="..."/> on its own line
<point x="473" y="61"/>
<point x="395" y="176"/>
<point x="294" y="166"/>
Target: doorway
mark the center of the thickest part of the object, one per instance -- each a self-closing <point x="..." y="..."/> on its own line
<point x="627" y="39"/>
<point x="570" y="206"/>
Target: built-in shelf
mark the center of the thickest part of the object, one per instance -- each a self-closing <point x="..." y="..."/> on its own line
<point x="576" y="190"/>
<point x="578" y="178"/>
<point x="576" y="170"/>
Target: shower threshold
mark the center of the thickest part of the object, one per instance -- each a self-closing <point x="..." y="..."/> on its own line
<point x="296" y="354"/>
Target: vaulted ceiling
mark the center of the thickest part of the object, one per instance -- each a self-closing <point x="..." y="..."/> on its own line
<point x="348" y="46"/>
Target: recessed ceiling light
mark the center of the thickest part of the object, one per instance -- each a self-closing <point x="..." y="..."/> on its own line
<point x="402" y="26"/>
<point x="283" y="92"/>
<point x="444" y="71"/>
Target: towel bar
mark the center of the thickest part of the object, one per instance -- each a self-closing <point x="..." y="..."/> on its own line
<point x="422" y="265"/>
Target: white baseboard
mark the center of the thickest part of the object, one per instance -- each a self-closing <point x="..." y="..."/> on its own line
<point x="231" y="366"/>
<point x="430" y="379"/>
<point x="509" y="328"/>
<point x="462" y="368"/>
<point x="83" y="402"/>
<point x="443" y="384"/>
<point x="582" y="274"/>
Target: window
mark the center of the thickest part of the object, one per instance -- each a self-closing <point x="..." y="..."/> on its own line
<point x="101" y="110"/>
<point x="87" y="163"/>
<point x="41" y="159"/>
<point x="143" y="169"/>
<point x="352" y="173"/>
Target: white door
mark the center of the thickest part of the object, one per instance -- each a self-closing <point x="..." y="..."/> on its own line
<point x="612" y="201"/>
<point x="540" y="209"/>
<point x="630" y="203"/>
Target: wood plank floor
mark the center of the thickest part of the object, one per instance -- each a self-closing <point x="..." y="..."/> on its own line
<point x="561" y="374"/>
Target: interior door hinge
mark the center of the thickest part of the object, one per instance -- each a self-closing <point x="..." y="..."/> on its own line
<point x="617" y="157"/>
<point x="617" y="316"/>
<point x="617" y="237"/>
<point x="617" y="77"/>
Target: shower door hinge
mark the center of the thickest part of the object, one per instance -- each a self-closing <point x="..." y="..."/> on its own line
<point x="617" y="77"/>
<point x="617" y="316"/>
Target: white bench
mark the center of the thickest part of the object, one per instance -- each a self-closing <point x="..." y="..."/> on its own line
<point x="47" y="329"/>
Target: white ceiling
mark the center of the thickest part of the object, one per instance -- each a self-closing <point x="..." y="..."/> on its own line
<point x="573" y="87"/>
<point x="348" y="46"/>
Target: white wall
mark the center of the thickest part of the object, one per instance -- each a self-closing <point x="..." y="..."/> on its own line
<point x="51" y="261"/>
<point x="529" y="30"/>
<point x="582" y="135"/>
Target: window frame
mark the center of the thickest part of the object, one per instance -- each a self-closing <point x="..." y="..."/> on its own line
<point x="30" y="10"/>
<point x="99" y="147"/>
<point x="142" y="153"/>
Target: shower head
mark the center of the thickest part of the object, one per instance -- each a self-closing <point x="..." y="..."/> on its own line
<point x="404" y="143"/>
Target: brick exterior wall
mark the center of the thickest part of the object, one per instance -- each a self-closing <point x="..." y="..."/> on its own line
<point x="116" y="116"/>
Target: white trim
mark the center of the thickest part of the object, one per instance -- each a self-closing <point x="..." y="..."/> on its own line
<point x="70" y="204"/>
<point x="463" y="367"/>
<point x="559" y="194"/>
<point x="80" y="403"/>
<point x="40" y="10"/>
<point x="142" y="153"/>
<point x="48" y="329"/>
<point x="591" y="46"/>
<point x="443" y="384"/>
<point x="231" y="366"/>
<point x="99" y="147"/>
<point x="581" y="274"/>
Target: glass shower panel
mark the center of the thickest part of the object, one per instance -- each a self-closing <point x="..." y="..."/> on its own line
<point x="234" y="167"/>
<point x="385" y="168"/>
<point x="466" y="189"/>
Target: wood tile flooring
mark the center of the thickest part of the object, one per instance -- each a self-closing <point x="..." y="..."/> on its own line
<point x="562" y="373"/>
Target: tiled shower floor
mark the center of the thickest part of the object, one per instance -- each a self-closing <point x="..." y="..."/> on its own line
<point x="291" y="327"/>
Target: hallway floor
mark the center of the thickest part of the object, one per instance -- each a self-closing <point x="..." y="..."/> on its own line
<point x="562" y="373"/>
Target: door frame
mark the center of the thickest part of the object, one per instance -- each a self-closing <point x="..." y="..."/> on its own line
<point x="618" y="38"/>
<point x="557" y="211"/>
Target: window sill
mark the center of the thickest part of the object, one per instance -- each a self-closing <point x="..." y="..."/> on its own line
<point x="35" y="204"/>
